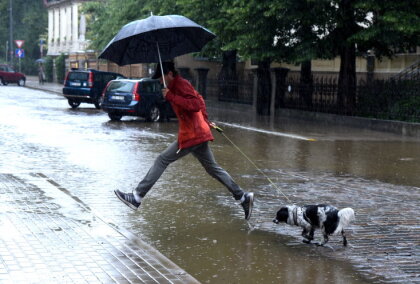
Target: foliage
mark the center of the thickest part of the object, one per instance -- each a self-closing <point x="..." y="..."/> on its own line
<point x="29" y="23"/>
<point x="391" y="26"/>
<point x="49" y="68"/>
<point x="108" y="17"/>
<point x="254" y="29"/>
<point x="60" y="67"/>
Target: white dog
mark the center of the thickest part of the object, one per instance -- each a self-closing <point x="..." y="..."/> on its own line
<point x="329" y="219"/>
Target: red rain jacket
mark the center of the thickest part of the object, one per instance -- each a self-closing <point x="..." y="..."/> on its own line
<point x="190" y="109"/>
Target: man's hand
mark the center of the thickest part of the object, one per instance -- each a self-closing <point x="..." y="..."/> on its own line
<point x="214" y="126"/>
<point x="164" y="92"/>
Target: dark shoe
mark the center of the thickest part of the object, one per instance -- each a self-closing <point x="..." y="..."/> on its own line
<point x="247" y="204"/>
<point x="128" y="199"/>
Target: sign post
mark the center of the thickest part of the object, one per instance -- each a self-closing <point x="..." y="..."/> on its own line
<point x="20" y="53"/>
<point x="41" y="47"/>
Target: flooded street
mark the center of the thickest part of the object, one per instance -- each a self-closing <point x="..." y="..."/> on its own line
<point x="192" y="219"/>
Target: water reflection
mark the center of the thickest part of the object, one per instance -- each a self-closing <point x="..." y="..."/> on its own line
<point x="191" y="217"/>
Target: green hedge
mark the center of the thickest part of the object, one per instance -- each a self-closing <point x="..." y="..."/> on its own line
<point x="60" y="67"/>
<point x="48" y="68"/>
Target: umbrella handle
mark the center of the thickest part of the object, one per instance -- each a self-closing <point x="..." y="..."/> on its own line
<point x="161" y="67"/>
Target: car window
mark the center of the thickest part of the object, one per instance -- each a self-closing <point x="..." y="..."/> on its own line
<point x="147" y="87"/>
<point x="9" y="69"/>
<point x="121" y="87"/>
<point x="2" y="68"/>
<point x="157" y="86"/>
<point x="81" y="76"/>
<point x="108" y="77"/>
<point x="98" y="77"/>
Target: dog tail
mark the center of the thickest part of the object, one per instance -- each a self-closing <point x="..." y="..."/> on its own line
<point x="346" y="216"/>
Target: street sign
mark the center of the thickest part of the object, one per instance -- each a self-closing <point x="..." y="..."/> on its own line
<point x="19" y="43"/>
<point x="20" y="53"/>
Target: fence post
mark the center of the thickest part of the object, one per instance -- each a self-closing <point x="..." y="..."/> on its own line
<point x="279" y="85"/>
<point x="273" y="92"/>
<point x="254" y="90"/>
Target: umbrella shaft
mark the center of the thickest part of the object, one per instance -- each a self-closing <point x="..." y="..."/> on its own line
<point x="161" y="67"/>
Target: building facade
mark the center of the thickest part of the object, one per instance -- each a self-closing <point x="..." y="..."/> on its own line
<point x="66" y="27"/>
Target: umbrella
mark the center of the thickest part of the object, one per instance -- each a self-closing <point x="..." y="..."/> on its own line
<point x="40" y="60"/>
<point x="156" y="38"/>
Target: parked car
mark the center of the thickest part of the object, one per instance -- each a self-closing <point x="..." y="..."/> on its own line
<point x="139" y="97"/>
<point x="86" y="86"/>
<point x="9" y="75"/>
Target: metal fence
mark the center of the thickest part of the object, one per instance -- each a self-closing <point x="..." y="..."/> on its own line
<point x="319" y="96"/>
<point x="231" y="90"/>
<point x="390" y="99"/>
<point x="383" y="99"/>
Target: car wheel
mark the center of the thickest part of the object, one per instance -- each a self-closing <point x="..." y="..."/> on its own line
<point x="154" y="114"/>
<point x="115" y="116"/>
<point x="21" y="82"/>
<point x="73" y="104"/>
<point x="97" y="103"/>
<point x="3" y="81"/>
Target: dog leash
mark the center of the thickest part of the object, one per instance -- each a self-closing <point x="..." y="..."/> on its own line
<point x="220" y="130"/>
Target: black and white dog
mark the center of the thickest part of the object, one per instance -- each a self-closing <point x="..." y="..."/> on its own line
<point x="329" y="219"/>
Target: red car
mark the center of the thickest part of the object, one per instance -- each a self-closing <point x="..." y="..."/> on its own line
<point x="8" y="75"/>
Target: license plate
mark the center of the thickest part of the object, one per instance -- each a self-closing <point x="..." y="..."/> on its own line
<point x="117" y="98"/>
<point x="75" y="84"/>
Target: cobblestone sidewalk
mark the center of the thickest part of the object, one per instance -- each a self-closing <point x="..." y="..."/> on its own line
<point x="384" y="242"/>
<point x="48" y="236"/>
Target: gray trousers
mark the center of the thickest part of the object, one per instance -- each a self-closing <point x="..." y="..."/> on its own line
<point x="203" y="153"/>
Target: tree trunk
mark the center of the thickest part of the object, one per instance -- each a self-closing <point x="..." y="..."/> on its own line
<point x="264" y="87"/>
<point x="306" y="84"/>
<point x="228" y="78"/>
<point x="347" y="80"/>
<point x="346" y="97"/>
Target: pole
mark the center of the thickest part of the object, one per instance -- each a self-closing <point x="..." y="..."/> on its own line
<point x="7" y="51"/>
<point x="11" y="32"/>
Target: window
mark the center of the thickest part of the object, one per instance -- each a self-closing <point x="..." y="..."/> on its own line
<point x="146" y="87"/>
<point x="81" y="76"/>
<point x="121" y="87"/>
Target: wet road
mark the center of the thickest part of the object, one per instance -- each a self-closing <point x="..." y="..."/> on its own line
<point x="189" y="216"/>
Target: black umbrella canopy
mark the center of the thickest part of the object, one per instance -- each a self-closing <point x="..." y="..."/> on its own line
<point x="141" y="41"/>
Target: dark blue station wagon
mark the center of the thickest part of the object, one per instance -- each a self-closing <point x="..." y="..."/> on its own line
<point x="136" y="97"/>
<point x="86" y="86"/>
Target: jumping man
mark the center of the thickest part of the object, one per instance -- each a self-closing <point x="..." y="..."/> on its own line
<point x="193" y="136"/>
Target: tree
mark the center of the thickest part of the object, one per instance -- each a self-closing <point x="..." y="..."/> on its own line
<point x="384" y="26"/>
<point x="29" y="24"/>
<point x="255" y="30"/>
<point x="213" y="15"/>
<point x="301" y="24"/>
<point x="108" y="17"/>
